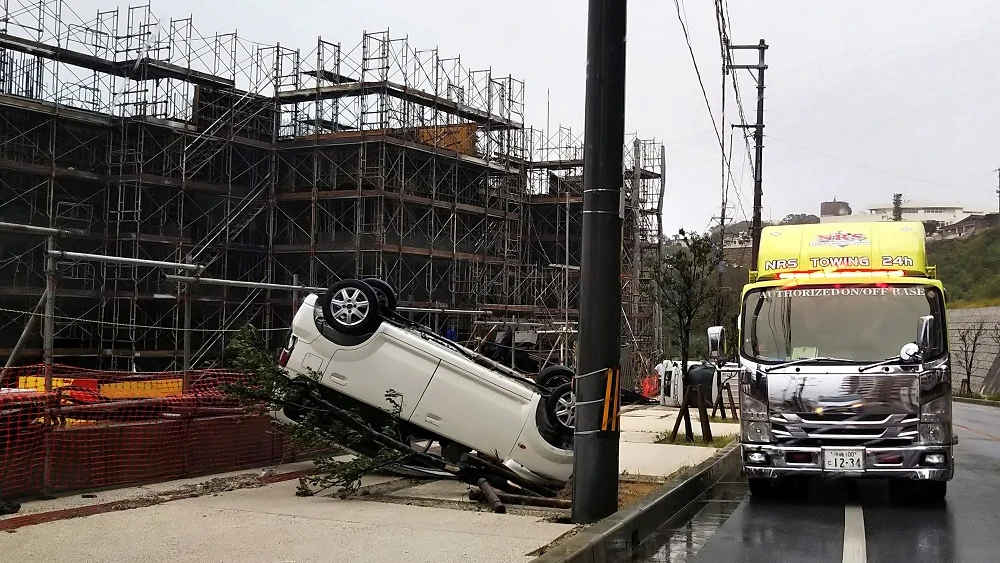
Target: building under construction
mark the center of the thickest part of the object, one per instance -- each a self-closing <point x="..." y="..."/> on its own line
<point x="159" y="189"/>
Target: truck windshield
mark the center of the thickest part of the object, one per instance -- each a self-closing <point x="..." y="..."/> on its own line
<point x="860" y="323"/>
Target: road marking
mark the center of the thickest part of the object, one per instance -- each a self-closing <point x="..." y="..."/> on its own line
<point x="854" y="535"/>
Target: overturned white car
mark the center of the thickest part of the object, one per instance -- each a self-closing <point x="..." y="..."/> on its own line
<point x="352" y="336"/>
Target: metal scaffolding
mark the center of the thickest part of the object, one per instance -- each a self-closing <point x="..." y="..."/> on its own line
<point x="140" y="138"/>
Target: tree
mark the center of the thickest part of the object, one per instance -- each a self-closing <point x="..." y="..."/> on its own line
<point x="931" y="227"/>
<point x="686" y="287"/>
<point x="266" y="386"/>
<point x="968" y="341"/>
<point x="800" y="219"/>
<point x="897" y="207"/>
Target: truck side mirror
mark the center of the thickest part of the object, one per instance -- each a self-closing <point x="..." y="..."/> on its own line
<point x="925" y="336"/>
<point x="717" y="343"/>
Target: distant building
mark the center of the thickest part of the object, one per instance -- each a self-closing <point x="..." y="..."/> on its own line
<point x="834" y="209"/>
<point x="943" y="214"/>
<point x="968" y="225"/>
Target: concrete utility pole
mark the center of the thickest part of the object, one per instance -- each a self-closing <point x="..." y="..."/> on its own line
<point x="595" y="463"/>
<point x="758" y="136"/>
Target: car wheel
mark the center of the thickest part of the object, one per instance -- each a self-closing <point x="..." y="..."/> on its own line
<point x="387" y="297"/>
<point x="351" y="307"/>
<point x="561" y="408"/>
<point x="554" y="376"/>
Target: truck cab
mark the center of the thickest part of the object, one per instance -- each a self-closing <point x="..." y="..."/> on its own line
<point x="843" y="360"/>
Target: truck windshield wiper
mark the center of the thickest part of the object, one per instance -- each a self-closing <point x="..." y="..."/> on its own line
<point x="804" y="361"/>
<point x="886" y="361"/>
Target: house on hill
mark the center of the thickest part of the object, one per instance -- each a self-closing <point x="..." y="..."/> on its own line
<point x="969" y="225"/>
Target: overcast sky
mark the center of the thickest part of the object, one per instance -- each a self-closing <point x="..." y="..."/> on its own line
<point x="881" y="89"/>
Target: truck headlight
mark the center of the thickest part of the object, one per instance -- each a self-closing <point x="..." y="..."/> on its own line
<point x="935" y="433"/>
<point x="757" y="433"/>
<point x="752" y="409"/>
<point x="936" y="410"/>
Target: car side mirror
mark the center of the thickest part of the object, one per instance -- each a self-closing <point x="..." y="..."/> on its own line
<point x="717" y="343"/>
<point x="925" y="335"/>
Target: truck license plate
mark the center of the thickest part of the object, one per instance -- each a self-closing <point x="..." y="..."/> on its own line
<point x="837" y="459"/>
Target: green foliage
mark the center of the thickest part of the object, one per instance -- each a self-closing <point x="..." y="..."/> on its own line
<point x="267" y="387"/>
<point x="800" y="219"/>
<point x="686" y="286"/>
<point x="969" y="268"/>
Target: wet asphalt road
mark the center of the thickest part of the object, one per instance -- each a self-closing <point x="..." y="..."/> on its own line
<point x="850" y="522"/>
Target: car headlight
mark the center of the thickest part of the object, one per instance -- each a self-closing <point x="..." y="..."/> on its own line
<point x="935" y="433"/>
<point x="752" y="409"/>
<point x="757" y="433"/>
<point x="936" y="410"/>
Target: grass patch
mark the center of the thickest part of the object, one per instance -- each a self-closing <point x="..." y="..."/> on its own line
<point x="717" y="442"/>
<point x="989" y="397"/>
<point x="968" y="267"/>
<point x="631" y="491"/>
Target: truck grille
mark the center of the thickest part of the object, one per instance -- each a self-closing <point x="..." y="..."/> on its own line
<point x="844" y="429"/>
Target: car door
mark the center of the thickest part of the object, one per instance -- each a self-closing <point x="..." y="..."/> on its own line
<point x="386" y="361"/>
<point x="474" y="406"/>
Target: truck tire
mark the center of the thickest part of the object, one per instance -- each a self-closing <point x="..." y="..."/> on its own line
<point x="555" y="375"/>
<point x="387" y="296"/>
<point x="351" y="307"/>
<point x="760" y="487"/>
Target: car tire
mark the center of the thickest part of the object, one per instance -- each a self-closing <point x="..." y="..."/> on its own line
<point x="555" y="375"/>
<point x="560" y="408"/>
<point x="387" y="296"/>
<point x="351" y="307"/>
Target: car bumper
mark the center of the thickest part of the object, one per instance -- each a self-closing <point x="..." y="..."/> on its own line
<point x="911" y="464"/>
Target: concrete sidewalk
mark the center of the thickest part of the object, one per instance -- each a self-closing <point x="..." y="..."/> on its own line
<point x="270" y="525"/>
<point x="641" y="455"/>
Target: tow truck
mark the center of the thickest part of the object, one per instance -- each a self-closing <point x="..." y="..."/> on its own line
<point x="843" y="365"/>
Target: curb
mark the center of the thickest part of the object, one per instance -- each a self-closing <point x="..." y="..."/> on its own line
<point x="981" y="402"/>
<point x="619" y="535"/>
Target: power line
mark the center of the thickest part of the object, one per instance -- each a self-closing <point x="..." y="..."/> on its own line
<point x="701" y="83"/>
<point x="862" y="165"/>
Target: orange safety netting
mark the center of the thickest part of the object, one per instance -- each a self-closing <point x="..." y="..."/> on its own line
<point x="101" y="428"/>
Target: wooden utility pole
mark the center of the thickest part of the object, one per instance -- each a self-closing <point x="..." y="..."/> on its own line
<point x="758" y="136"/>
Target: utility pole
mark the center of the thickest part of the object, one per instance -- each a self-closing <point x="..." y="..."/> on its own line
<point x="998" y="195"/>
<point x="595" y="460"/>
<point x="758" y="136"/>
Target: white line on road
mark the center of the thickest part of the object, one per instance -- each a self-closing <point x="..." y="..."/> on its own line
<point x="854" y="535"/>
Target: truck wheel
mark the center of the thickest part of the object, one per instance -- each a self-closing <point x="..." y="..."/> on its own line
<point x="560" y="406"/>
<point x="934" y="491"/>
<point x="555" y="375"/>
<point x="387" y="297"/>
<point x="351" y="307"/>
<point x="760" y="487"/>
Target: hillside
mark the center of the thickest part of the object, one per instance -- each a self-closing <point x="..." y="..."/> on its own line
<point x="969" y="268"/>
